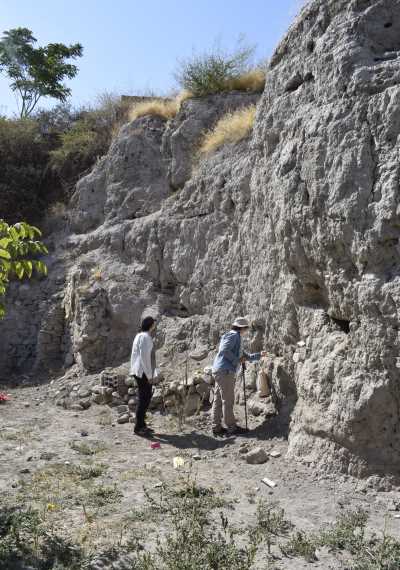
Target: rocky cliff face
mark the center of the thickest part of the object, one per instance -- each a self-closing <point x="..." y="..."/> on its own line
<point x="297" y="227"/>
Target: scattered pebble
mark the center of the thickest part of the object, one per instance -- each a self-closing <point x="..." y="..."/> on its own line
<point x="275" y="454"/>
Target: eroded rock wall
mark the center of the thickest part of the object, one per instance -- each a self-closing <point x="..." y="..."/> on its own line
<point x="297" y="227"/>
<point x="326" y="191"/>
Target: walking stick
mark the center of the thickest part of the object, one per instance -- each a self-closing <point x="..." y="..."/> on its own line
<point x="244" y="392"/>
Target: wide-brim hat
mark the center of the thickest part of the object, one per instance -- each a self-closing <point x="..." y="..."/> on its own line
<point x="241" y="322"/>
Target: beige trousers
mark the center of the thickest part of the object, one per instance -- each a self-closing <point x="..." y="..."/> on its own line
<point x="224" y="399"/>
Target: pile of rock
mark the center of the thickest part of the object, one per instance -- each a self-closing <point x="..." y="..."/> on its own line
<point x="115" y="388"/>
<point x="186" y="397"/>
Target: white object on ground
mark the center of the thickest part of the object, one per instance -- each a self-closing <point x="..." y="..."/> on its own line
<point x="275" y="454"/>
<point x="268" y="482"/>
<point x="178" y="462"/>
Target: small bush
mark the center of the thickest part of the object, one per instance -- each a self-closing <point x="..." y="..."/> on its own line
<point x="194" y="539"/>
<point x="347" y="533"/>
<point x="25" y="540"/>
<point x="232" y="128"/>
<point x="271" y="523"/>
<point x="103" y="495"/>
<point x="213" y="72"/>
<point x="301" y="545"/>
<point x="80" y="146"/>
<point x="88" y="136"/>
<point x="166" y="109"/>
<point x="87" y="449"/>
<point x="85" y="472"/>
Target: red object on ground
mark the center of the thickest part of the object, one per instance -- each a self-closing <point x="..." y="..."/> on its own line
<point x="3" y="397"/>
<point x="155" y="445"/>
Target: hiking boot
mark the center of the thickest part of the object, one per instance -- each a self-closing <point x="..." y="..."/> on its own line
<point x="219" y="431"/>
<point x="238" y="430"/>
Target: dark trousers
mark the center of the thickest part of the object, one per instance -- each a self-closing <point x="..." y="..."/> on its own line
<point x="145" y="393"/>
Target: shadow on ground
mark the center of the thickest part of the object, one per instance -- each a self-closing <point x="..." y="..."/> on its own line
<point x="193" y="440"/>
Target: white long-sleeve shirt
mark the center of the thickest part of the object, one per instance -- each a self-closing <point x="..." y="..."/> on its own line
<point x="141" y="355"/>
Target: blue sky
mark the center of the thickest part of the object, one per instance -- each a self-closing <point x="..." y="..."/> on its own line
<point x="132" y="45"/>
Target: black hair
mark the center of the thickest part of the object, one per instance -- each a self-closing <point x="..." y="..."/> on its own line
<point x="238" y="329"/>
<point x="147" y="323"/>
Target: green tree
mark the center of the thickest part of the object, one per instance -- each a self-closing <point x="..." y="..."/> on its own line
<point x="36" y="72"/>
<point x="18" y="248"/>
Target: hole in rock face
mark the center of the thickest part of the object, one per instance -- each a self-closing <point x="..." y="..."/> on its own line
<point x="342" y="324"/>
<point x="294" y="83"/>
<point x="388" y="25"/>
<point x="310" y="46"/>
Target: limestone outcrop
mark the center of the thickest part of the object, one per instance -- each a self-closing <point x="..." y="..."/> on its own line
<point x="297" y="227"/>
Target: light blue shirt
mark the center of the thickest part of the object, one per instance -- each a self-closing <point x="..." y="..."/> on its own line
<point x="229" y="353"/>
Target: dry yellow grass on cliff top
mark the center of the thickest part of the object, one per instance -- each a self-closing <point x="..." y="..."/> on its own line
<point x="232" y="128"/>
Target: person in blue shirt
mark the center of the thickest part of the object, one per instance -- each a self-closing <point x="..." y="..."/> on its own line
<point x="226" y="364"/>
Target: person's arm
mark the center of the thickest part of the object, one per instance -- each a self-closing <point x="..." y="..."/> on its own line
<point x="254" y="357"/>
<point x="145" y="346"/>
<point x="227" y="344"/>
<point x="133" y="356"/>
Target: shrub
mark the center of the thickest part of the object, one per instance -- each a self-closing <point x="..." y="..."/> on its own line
<point x="25" y="540"/>
<point x="89" y="136"/>
<point x="164" y="108"/>
<point x="347" y="533"/>
<point x="271" y="523"/>
<point x="215" y="71"/>
<point x="79" y="148"/>
<point x="194" y="539"/>
<point x="232" y="128"/>
<point x="42" y="157"/>
<point x="24" y="180"/>
<point x="301" y="545"/>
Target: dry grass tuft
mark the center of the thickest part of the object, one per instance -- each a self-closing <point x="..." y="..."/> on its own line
<point x="183" y="96"/>
<point x="232" y="128"/>
<point x="253" y="80"/>
<point x="166" y="109"/>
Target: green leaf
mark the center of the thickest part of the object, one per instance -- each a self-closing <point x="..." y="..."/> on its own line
<point x="28" y="267"/>
<point x="4" y="242"/>
<point x="19" y="269"/>
<point x="4" y="254"/>
<point x="14" y="234"/>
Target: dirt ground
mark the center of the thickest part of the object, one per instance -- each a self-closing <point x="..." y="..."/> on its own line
<point x="36" y="436"/>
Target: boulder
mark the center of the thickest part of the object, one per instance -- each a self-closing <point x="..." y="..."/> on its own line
<point x="256" y="456"/>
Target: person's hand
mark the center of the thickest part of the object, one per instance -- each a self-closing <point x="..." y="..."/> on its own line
<point x="264" y="354"/>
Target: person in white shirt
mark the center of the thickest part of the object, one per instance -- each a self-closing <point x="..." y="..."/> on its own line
<point x="143" y="368"/>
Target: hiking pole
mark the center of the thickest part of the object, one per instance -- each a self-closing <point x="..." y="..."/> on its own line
<point x="244" y="392"/>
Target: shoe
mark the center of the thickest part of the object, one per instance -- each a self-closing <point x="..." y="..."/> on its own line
<point x="219" y="431"/>
<point x="142" y="431"/>
<point x="238" y="430"/>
